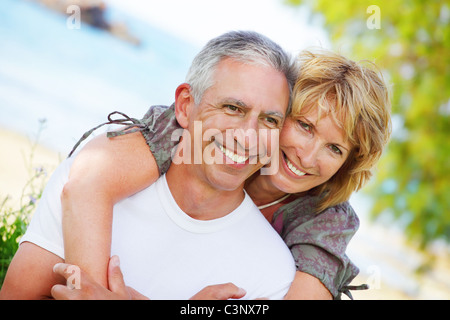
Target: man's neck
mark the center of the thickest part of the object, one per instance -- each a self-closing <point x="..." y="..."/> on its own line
<point x="198" y="199"/>
<point x="261" y="189"/>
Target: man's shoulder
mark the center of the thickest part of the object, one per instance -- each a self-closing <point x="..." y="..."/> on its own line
<point x="256" y="226"/>
<point x="254" y="215"/>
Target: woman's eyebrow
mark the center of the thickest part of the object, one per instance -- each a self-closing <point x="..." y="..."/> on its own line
<point x="340" y="146"/>
<point x="308" y="121"/>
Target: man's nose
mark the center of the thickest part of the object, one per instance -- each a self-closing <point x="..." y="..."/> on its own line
<point x="247" y="135"/>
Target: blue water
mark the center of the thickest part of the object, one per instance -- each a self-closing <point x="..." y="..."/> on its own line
<point x="74" y="77"/>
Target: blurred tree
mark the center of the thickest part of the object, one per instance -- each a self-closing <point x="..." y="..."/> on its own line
<point x="410" y="41"/>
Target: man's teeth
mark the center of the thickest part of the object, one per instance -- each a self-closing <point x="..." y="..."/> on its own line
<point x="233" y="156"/>
<point x="294" y="169"/>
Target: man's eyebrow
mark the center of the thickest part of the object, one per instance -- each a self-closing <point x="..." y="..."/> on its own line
<point x="237" y="102"/>
<point x="242" y="104"/>
<point x="275" y="114"/>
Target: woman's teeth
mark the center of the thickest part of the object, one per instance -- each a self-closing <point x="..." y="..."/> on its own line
<point x="231" y="155"/>
<point x="294" y="169"/>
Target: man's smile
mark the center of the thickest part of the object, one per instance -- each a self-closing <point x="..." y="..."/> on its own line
<point x="231" y="155"/>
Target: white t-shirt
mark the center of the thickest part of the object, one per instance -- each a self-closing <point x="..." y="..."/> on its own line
<point x="166" y="254"/>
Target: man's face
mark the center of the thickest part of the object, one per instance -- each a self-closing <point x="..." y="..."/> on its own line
<point x="237" y="114"/>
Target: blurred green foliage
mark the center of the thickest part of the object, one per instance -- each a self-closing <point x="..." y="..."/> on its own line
<point x="13" y="224"/>
<point x="14" y="219"/>
<point x="412" y="47"/>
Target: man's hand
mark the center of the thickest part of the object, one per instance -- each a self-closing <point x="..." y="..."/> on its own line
<point x="80" y="286"/>
<point x="220" y="292"/>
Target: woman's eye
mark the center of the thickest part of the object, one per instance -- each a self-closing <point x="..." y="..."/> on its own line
<point x="335" y="149"/>
<point x="305" y="126"/>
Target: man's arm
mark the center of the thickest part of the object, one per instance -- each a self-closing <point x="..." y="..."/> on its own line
<point x="30" y="274"/>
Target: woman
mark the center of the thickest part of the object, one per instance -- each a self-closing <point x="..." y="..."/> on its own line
<point x="330" y="141"/>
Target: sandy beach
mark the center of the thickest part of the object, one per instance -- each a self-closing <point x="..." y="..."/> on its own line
<point x="15" y="166"/>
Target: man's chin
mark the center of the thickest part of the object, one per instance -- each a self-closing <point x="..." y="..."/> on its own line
<point x="227" y="182"/>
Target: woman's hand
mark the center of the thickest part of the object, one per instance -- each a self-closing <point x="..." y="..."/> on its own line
<point x="81" y="286"/>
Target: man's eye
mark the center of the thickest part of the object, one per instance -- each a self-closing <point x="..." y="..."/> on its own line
<point x="232" y="108"/>
<point x="272" y="121"/>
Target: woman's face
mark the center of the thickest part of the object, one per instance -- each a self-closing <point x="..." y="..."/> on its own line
<point x="311" y="151"/>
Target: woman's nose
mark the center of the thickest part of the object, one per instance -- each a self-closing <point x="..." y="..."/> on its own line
<point x="308" y="153"/>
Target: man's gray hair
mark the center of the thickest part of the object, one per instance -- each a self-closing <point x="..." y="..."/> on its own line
<point x="243" y="46"/>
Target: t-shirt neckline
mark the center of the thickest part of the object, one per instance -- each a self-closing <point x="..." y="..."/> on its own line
<point x="183" y="220"/>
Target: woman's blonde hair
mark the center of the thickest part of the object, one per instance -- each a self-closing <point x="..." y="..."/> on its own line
<point x="357" y="97"/>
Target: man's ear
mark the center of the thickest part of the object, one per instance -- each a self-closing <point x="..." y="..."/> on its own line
<point x="184" y="102"/>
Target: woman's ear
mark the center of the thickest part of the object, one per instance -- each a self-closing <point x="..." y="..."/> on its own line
<point x="184" y="102"/>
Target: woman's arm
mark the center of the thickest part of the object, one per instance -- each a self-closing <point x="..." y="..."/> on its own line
<point x="104" y="172"/>
<point x="318" y="243"/>
<point x="307" y="287"/>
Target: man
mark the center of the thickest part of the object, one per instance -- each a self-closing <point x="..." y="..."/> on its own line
<point x="195" y="226"/>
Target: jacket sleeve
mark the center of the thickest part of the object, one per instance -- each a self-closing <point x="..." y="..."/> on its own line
<point x="318" y="242"/>
<point x="161" y="134"/>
